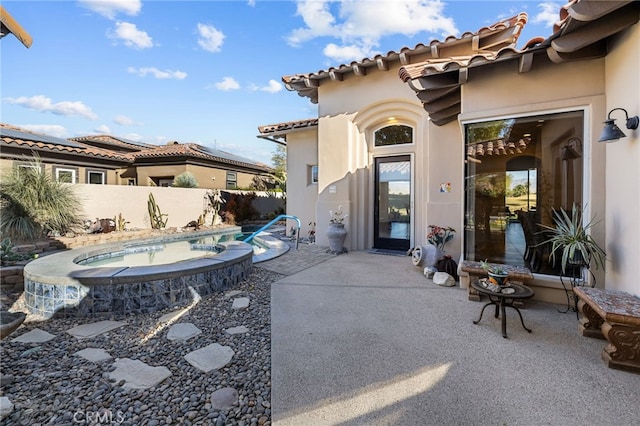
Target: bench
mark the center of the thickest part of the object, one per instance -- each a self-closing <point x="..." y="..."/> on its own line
<point x="473" y="270"/>
<point x="615" y="316"/>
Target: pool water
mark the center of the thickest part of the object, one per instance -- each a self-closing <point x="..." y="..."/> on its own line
<point x="162" y="253"/>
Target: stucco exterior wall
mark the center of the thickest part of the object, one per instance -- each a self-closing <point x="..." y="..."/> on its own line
<point x="622" y="158"/>
<point x="302" y="153"/>
<point x="81" y="171"/>
<point x="204" y="175"/>
<point x="349" y="113"/>
<point x="554" y="87"/>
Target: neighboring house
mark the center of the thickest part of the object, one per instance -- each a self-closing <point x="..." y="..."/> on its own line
<point x="158" y="165"/>
<point x="66" y="160"/>
<point x="109" y="160"/>
<point x="473" y="133"/>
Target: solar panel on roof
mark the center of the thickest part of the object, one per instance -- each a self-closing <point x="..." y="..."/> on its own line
<point x="226" y="155"/>
<point x="140" y="144"/>
<point x="17" y="134"/>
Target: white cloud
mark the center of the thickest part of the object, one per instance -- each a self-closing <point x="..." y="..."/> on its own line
<point x="44" y="104"/>
<point x="345" y="53"/>
<point x="227" y="84"/>
<point x="210" y="38"/>
<point x="103" y="128"/>
<point x="110" y="8"/>
<point x="131" y="36"/>
<point x="123" y="120"/>
<point x="549" y="14"/>
<point x="47" y="129"/>
<point x="159" y="74"/>
<point x="360" y="25"/>
<point x="133" y="137"/>
<point x="272" y="87"/>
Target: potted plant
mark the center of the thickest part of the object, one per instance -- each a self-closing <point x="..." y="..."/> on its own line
<point x="570" y="238"/>
<point x="497" y="274"/>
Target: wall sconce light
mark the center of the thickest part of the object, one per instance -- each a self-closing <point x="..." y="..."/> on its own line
<point x="571" y="150"/>
<point x="611" y="132"/>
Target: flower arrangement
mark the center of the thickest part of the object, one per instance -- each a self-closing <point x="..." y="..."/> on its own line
<point x="337" y="216"/>
<point x="439" y="236"/>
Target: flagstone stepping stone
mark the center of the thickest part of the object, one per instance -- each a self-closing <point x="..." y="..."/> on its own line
<point x="224" y="399"/>
<point x="6" y="407"/>
<point x="183" y="331"/>
<point x="212" y="357"/>
<point x="87" y="331"/>
<point x="237" y="330"/>
<point x="9" y="322"/>
<point x="34" y="336"/>
<point x="93" y="354"/>
<point x="137" y="374"/>
<point x="240" y="303"/>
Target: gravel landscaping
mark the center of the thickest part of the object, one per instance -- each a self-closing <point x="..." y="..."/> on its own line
<point x="48" y="384"/>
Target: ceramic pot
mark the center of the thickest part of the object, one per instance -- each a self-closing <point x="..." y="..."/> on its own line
<point x="336" y="235"/>
<point x="499" y="279"/>
<point x="426" y="255"/>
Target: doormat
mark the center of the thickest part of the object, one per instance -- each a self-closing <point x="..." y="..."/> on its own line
<point x="388" y="252"/>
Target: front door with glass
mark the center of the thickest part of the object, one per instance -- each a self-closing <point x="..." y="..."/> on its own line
<point x="392" y="210"/>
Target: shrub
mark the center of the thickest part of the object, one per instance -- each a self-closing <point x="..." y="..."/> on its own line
<point x="34" y="204"/>
<point x="185" y="180"/>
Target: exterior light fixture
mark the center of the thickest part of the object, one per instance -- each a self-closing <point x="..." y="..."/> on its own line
<point x="571" y="150"/>
<point x="611" y="132"/>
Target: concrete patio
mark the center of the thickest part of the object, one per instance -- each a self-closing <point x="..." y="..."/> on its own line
<point x="363" y="339"/>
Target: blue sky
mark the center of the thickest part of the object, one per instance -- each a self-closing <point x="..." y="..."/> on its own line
<point x="208" y="71"/>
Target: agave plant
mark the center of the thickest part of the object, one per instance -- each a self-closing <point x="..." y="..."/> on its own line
<point x="570" y="238"/>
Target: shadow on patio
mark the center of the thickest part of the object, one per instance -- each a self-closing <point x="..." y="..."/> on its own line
<point x="365" y="339"/>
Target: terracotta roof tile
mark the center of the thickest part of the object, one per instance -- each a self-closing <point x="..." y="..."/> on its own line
<point x="198" y="151"/>
<point x="113" y="141"/>
<point x="492" y="38"/>
<point x="288" y="126"/>
<point x="41" y="142"/>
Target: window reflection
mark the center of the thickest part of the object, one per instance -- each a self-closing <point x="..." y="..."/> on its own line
<point x="517" y="172"/>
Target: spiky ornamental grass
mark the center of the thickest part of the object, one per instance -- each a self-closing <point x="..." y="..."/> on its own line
<point x="185" y="180"/>
<point x="33" y="204"/>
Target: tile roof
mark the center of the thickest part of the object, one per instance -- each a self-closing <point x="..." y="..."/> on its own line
<point x="113" y="141"/>
<point x="12" y="136"/>
<point x="275" y="129"/>
<point x="487" y="39"/>
<point x="579" y="34"/>
<point x="193" y="150"/>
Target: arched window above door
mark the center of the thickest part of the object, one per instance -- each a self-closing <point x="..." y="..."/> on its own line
<point x="394" y="135"/>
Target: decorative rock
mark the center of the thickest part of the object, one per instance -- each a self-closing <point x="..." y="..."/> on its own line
<point x="224" y="399"/>
<point x="237" y="330"/>
<point x="232" y="293"/>
<point x="93" y="354"/>
<point x="240" y="303"/>
<point x="87" y="331"/>
<point x="212" y="357"/>
<point x="137" y="374"/>
<point x="443" y="279"/>
<point x="6" y="407"/>
<point x="34" y="336"/>
<point x="10" y="321"/>
<point x="183" y="331"/>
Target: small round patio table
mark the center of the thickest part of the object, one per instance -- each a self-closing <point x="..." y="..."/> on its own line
<point x="503" y="297"/>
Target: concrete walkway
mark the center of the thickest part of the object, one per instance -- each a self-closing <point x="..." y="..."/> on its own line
<point x="365" y="339"/>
